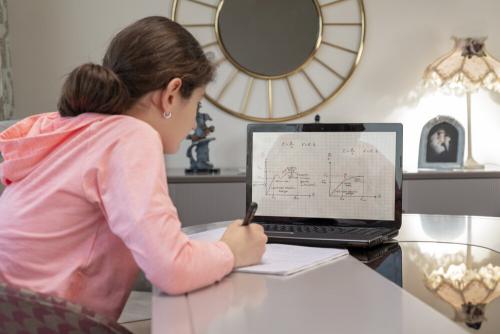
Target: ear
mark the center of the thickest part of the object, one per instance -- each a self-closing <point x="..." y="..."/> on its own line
<point x="171" y="94"/>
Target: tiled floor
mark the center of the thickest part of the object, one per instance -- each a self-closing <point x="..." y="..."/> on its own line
<point x="136" y="315"/>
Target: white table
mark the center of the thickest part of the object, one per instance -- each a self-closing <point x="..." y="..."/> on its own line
<point x="345" y="296"/>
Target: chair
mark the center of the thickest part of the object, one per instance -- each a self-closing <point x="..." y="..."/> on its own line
<point x="26" y="312"/>
<point x="5" y="124"/>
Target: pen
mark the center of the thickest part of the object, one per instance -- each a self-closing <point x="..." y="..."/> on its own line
<point x="250" y="213"/>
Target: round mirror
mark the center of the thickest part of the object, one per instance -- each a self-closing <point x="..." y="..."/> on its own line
<point x="276" y="60"/>
<point x="269" y="38"/>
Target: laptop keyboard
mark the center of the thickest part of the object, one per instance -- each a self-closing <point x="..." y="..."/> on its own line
<point x="321" y="229"/>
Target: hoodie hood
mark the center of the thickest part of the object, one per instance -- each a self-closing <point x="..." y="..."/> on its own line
<point x="25" y="144"/>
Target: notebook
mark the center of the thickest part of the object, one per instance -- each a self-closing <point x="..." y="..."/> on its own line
<point x="281" y="259"/>
<point x="334" y="185"/>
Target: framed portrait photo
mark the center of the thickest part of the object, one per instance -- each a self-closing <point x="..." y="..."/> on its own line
<point x="442" y="144"/>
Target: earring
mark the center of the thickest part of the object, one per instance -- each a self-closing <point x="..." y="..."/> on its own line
<point x="167" y="115"/>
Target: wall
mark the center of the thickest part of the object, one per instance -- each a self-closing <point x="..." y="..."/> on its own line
<point x="51" y="37"/>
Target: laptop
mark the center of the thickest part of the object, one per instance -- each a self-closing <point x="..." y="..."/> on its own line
<point x="333" y="185"/>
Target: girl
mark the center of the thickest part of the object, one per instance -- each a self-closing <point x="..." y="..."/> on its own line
<point x="86" y="202"/>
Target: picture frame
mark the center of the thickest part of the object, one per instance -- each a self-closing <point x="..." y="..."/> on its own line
<point x="442" y="144"/>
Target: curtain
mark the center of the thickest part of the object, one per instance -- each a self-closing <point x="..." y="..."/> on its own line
<point x="6" y="95"/>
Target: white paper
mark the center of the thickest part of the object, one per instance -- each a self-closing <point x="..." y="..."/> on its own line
<point x="281" y="259"/>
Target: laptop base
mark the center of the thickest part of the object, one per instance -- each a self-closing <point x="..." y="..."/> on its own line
<point x="333" y="237"/>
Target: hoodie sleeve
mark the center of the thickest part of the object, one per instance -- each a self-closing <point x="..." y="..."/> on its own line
<point x="132" y="185"/>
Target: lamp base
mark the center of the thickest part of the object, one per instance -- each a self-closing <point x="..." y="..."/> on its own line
<point x="470" y="163"/>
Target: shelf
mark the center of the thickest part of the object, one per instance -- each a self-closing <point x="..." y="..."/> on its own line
<point x="237" y="175"/>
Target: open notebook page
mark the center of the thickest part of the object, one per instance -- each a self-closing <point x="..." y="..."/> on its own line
<point x="281" y="259"/>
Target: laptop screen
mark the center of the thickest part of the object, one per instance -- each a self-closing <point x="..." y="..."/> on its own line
<point x="325" y="172"/>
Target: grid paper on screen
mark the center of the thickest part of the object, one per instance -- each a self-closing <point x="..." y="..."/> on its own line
<point x="343" y="175"/>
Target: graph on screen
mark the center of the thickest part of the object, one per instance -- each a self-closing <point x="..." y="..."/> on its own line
<point x="344" y="175"/>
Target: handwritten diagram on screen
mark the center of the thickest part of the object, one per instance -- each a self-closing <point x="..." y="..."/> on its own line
<point x="348" y="175"/>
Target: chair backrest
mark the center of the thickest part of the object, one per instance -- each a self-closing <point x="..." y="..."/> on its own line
<point x="25" y="311"/>
<point x="5" y="124"/>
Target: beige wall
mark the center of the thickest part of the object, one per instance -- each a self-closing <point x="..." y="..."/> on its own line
<point x="50" y="37"/>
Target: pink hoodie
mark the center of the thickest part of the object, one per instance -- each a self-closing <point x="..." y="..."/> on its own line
<point x="86" y="203"/>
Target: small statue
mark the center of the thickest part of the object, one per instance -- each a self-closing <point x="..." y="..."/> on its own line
<point x="199" y="140"/>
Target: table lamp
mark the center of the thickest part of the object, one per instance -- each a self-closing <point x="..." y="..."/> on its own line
<point x="464" y="70"/>
<point x="467" y="290"/>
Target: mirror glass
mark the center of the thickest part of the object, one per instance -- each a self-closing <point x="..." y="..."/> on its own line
<point x="269" y="37"/>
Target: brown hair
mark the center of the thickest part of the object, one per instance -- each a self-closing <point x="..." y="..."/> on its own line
<point x="141" y="58"/>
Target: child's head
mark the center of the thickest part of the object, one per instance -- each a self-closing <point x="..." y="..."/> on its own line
<point x="153" y="58"/>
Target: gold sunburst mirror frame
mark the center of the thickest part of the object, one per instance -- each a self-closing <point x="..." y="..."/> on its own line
<point x="274" y="97"/>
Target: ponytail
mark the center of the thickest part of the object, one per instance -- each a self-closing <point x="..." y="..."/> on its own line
<point x="93" y="88"/>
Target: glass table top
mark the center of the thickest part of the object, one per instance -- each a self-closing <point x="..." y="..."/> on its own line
<point x="459" y="281"/>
